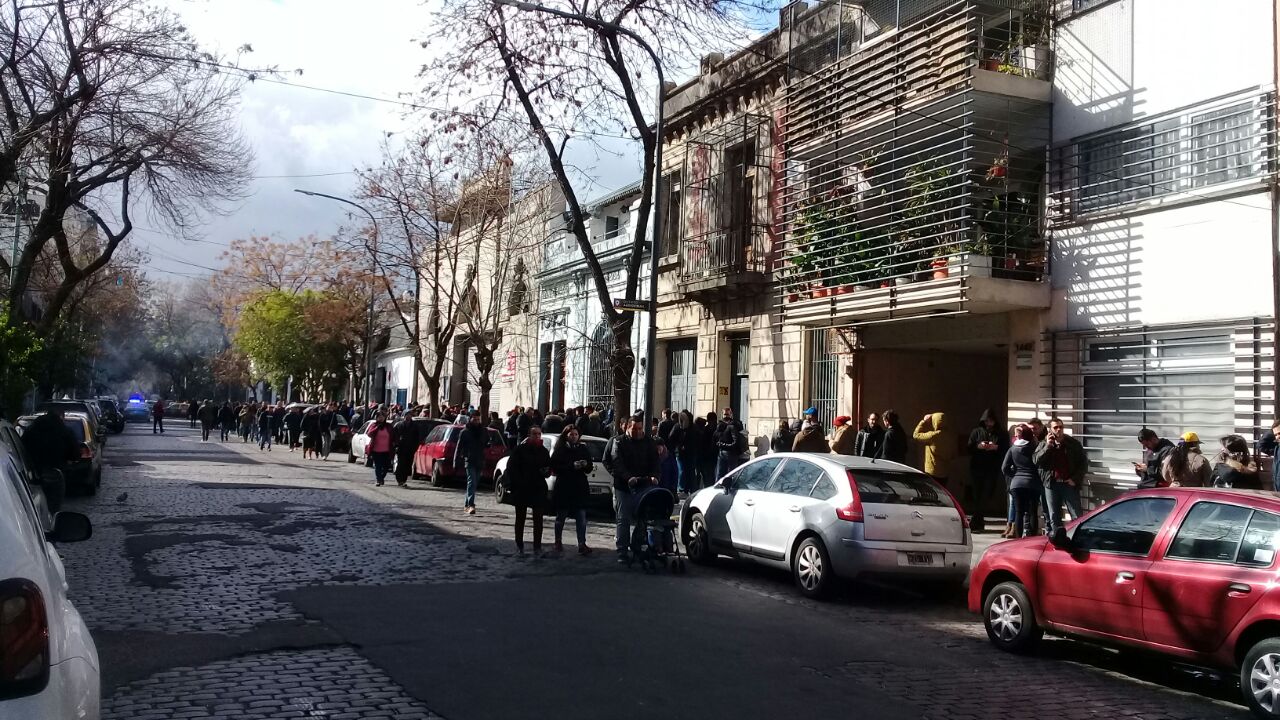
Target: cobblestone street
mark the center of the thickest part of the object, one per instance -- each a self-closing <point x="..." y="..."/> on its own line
<point x="223" y="582"/>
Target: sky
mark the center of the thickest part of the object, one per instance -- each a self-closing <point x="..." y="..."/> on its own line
<point x="312" y="139"/>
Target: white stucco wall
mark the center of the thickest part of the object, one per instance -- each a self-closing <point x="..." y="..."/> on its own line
<point x="1196" y="262"/>
<point x="1137" y="58"/>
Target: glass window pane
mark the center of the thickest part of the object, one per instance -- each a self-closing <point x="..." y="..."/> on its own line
<point x="825" y="489"/>
<point x="1211" y="531"/>
<point x="900" y="488"/>
<point x="755" y="476"/>
<point x="795" y="478"/>
<point x="1129" y="526"/>
<point x="1260" y="540"/>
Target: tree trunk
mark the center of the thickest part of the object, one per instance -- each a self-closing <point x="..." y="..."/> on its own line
<point x="484" y="366"/>
<point x="623" y="362"/>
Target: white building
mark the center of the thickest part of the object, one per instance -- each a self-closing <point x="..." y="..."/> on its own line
<point x="573" y="337"/>
<point x="1161" y="209"/>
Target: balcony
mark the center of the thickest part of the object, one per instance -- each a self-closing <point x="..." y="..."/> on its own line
<point x="723" y="263"/>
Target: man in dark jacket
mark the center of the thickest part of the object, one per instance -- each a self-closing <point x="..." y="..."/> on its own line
<point x="472" y="443"/>
<point x="894" y="447"/>
<point x="870" y="437"/>
<point x="1155" y="450"/>
<point x="1063" y="464"/>
<point x="193" y="412"/>
<point x="729" y="444"/>
<point x="666" y="425"/>
<point x="524" y="422"/>
<point x="553" y="423"/>
<point x="208" y="418"/>
<point x="407" y="441"/>
<point x="988" y="444"/>
<point x="1269" y="445"/>
<point x="632" y="460"/>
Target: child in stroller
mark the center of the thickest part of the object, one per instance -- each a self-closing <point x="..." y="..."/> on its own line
<point x="653" y="533"/>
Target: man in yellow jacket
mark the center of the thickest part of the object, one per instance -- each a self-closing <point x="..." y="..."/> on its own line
<point x="937" y="448"/>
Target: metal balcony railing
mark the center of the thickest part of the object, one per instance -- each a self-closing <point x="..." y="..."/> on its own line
<point x="724" y="252"/>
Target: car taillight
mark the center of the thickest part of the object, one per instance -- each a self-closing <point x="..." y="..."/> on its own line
<point x="24" y="639"/>
<point x="853" y="511"/>
<point x="86" y="452"/>
<point x="964" y="519"/>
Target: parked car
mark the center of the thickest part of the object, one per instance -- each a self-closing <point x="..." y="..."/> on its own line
<point x="1187" y="573"/>
<point x="341" y="441"/>
<point x="48" y="488"/>
<point x="829" y="516"/>
<point x="112" y="418"/>
<point x="599" y="481"/>
<point x="50" y="667"/>
<point x="434" y="458"/>
<point x="84" y="472"/>
<point x="88" y="407"/>
<point x="359" y="444"/>
<point x="137" y="411"/>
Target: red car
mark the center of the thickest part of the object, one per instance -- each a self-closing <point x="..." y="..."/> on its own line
<point x="435" y="455"/>
<point x="1189" y="573"/>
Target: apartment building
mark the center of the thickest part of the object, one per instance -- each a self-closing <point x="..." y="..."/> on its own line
<point x="574" y="339"/>
<point x="1162" y="214"/>
<point x="1034" y="206"/>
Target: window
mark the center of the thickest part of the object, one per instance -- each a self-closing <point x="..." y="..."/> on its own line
<point x="1128" y="527"/>
<point x="755" y="476"/>
<point x="672" y="229"/>
<point x="436" y="435"/>
<point x="612" y="227"/>
<point x="899" y="488"/>
<point x="1258" y="547"/>
<point x="1211" y="531"/>
<point x="824" y="489"/>
<point x="796" y="477"/>
<point x="600" y="369"/>
<point x="1224" y="146"/>
<point x="1190" y="150"/>
<point x="518" y="302"/>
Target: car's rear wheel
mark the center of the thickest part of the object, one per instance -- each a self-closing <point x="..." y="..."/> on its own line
<point x="1009" y="618"/>
<point x="499" y="487"/>
<point x="437" y="478"/>
<point x="698" y="544"/>
<point x="1260" y="678"/>
<point x="811" y="568"/>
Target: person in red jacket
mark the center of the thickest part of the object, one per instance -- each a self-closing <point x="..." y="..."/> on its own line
<point x="157" y="417"/>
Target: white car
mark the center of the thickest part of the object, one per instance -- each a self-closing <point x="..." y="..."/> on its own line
<point x="599" y="481"/>
<point x="50" y="663"/>
<point x="823" y="516"/>
<point x="360" y="443"/>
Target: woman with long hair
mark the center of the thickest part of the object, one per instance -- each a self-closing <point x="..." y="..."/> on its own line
<point x="1186" y="466"/>
<point x="685" y="443"/>
<point x="1024" y="481"/>
<point x="527" y="471"/>
<point x="571" y="463"/>
<point x="1235" y="466"/>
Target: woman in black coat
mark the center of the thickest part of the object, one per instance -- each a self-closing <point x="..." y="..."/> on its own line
<point x="571" y="463"/>
<point x="527" y="471"/>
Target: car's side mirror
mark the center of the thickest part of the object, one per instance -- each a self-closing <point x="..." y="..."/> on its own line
<point x="1059" y="538"/>
<point x="70" y="527"/>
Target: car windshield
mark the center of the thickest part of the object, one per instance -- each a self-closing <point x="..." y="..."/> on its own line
<point x="596" y="448"/>
<point x="899" y="488"/>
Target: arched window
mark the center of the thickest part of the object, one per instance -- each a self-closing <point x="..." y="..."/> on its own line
<point x="600" y="369"/>
<point x="518" y="302"/>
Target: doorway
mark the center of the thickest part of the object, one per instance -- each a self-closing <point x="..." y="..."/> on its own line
<point x="740" y="378"/>
<point x="682" y="375"/>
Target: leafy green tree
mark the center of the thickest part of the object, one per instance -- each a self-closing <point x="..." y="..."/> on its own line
<point x="272" y="332"/>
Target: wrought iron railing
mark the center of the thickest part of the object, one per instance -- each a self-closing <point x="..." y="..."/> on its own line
<point x="724" y="252"/>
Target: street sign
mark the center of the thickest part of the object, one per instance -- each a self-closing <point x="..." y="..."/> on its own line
<point x="637" y="305"/>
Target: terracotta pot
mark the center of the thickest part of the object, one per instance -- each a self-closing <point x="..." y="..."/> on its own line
<point x="820" y="292"/>
<point x="940" y="270"/>
<point x="844" y="289"/>
<point x="885" y="284"/>
<point x="992" y="64"/>
<point x="793" y="297"/>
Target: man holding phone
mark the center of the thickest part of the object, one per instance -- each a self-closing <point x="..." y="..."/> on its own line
<point x="1063" y="464"/>
<point x="1155" y="450"/>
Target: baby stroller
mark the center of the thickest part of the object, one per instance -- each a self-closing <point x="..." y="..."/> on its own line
<point x="653" y="532"/>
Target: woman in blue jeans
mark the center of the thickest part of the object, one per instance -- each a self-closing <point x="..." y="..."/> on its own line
<point x="571" y="463"/>
<point x="1024" y="481"/>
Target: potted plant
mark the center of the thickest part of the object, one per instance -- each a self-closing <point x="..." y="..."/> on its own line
<point x="1010" y="225"/>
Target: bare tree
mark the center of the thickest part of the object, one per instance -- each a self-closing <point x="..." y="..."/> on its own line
<point x="564" y="78"/>
<point x="415" y="192"/>
<point x="110" y="108"/>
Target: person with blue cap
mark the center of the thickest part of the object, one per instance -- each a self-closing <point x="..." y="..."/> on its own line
<point x="811" y="437"/>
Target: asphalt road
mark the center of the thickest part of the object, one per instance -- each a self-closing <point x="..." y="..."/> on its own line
<point x="225" y="582"/>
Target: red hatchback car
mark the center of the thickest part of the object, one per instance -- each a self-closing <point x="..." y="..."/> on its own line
<point x="435" y="455"/>
<point x="1189" y="573"/>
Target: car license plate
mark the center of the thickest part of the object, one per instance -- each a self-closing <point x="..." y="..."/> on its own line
<point x="917" y="558"/>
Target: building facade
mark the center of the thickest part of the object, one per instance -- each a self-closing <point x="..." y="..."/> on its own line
<point x="949" y="206"/>
<point x="574" y="339"/>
